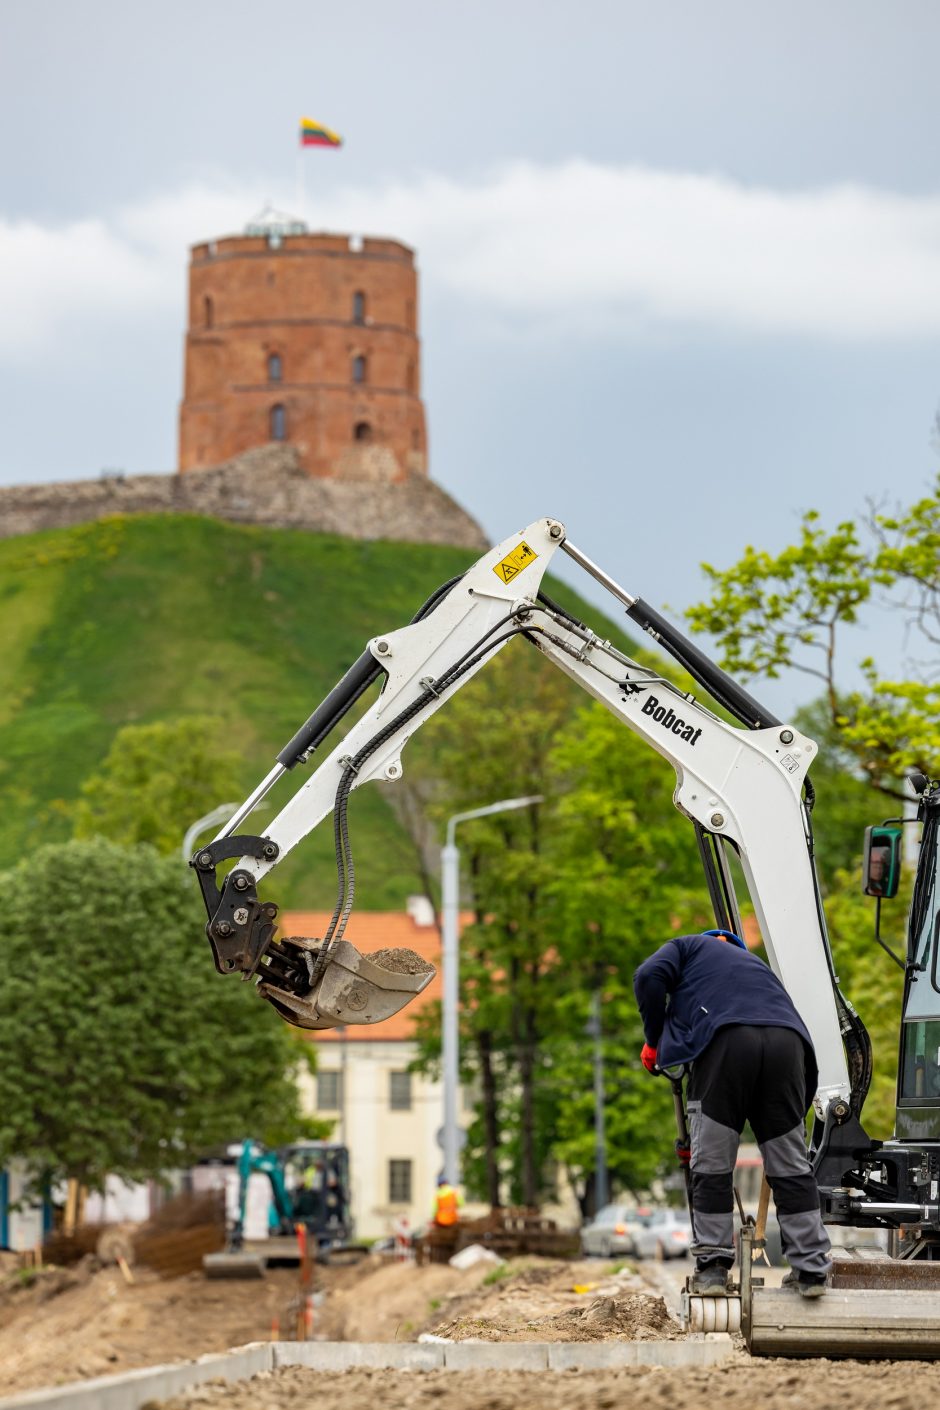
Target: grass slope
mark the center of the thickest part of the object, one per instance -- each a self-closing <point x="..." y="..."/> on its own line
<point x="152" y="617"/>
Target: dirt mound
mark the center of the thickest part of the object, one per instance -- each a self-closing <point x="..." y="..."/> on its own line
<point x="399" y="961"/>
<point x="633" y="1318"/>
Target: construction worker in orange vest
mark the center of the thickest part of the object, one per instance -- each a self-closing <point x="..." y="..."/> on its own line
<point x="446" y="1203"/>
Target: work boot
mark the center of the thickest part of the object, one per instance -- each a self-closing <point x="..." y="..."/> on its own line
<point x="806" y="1284"/>
<point x="710" y="1281"/>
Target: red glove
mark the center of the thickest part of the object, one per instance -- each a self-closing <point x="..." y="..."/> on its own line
<point x="648" y="1058"/>
<point x="683" y="1153"/>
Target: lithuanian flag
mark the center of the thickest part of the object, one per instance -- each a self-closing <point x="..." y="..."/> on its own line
<point x="314" y="134"/>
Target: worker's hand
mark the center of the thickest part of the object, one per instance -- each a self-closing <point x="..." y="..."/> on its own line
<point x="648" y="1058"/>
<point x="683" y="1152"/>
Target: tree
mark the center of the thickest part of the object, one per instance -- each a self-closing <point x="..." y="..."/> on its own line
<point x="155" y="780"/>
<point x="788" y="611"/>
<point x="121" y="1049"/>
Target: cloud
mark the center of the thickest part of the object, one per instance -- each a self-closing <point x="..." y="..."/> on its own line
<point x="580" y="248"/>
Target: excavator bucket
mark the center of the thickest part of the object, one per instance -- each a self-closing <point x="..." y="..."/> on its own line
<point x="353" y="988"/>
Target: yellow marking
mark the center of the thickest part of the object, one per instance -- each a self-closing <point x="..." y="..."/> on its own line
<point x="512" y="565"/>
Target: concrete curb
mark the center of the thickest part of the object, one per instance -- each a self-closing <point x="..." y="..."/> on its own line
<point x="132" y="1389"/>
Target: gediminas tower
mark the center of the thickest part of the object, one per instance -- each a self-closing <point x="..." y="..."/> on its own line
<point x="305" y="339"/>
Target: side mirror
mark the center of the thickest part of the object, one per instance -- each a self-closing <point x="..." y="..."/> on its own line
<point x="881" y="862"/>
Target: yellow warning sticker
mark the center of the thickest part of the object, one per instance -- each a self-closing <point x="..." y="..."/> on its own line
<point x="512" y="565"/>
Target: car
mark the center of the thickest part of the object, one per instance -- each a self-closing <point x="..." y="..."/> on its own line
<point x="660" y="1233"/>
<point x="608" y="1232"/>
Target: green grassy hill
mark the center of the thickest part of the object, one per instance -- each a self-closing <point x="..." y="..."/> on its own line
<point x="145" y="618"/>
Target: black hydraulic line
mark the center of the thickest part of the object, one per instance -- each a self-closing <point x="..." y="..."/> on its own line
<point x="544" y="598"/>
<point x="716" y="681"/>
<point x="346" y="692"/>
<point x="713" y="879"/>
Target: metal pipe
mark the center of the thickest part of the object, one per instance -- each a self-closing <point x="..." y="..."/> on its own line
<point x="591" y="567"/>
<point x="926" y="1213"/>
<point x="265" y="786"/>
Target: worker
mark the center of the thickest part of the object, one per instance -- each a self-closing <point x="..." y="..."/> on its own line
<point x="706" y="1001"/>
<point x="446" y="1203"/>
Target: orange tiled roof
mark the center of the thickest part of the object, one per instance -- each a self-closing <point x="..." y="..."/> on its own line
<point x="376" y="930"/>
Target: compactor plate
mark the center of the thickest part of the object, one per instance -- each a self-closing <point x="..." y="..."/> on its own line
<point x="879" y="1309"/>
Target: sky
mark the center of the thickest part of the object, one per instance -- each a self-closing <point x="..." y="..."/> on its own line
<point x="680" y="264"/>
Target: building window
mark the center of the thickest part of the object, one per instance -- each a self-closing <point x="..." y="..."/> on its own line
<point x="399" y="1091"/>
<point x="399" y="1182"/>
<point x="362" y="431"/>
<point x="274" y="367"/>
<point x="359" y="369"/>
<point x="359" y="307"/>
<point x="208" y="311"/>
<point x="329" y="1091"/>
<point x="278" y="423"/>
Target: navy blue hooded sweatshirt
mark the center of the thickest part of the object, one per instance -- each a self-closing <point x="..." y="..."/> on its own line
<point x="710" y="984"/>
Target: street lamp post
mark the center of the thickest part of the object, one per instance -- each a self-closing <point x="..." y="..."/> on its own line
<point x="450" y="904"/>
<point x="221" y="814"/>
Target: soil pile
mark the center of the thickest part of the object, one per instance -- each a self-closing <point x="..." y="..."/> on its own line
<point x="546" y="1301"/>
<point x="399" y="961"/>
<point x="738" y="1385"/>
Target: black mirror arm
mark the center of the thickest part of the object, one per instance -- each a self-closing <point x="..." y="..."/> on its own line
<point x="887" y="948"/>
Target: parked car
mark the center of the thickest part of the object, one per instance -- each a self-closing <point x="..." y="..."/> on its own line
<point x="609" y="1232"/>
<point x="660" y="1233"/>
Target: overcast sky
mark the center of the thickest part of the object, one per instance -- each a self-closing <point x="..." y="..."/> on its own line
<point x="680" y="263"/>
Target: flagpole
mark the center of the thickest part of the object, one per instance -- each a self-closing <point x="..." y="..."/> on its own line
<point x="299" y="194"/>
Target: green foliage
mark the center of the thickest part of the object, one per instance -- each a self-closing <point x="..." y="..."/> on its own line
<point x="786" y="611"/>
<point x="155" y="780"/>
<point x="121" y="1049"/>
<point x="845" y="803"/>
<point x="151" y="618"/>
<point x="873" y="982"/>
<point x="500" y="1274"/>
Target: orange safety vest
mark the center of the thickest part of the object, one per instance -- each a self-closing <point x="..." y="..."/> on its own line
<point x="445" y="1212"/>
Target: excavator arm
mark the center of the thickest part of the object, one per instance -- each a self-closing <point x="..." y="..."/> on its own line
<point x="742" y="787"/>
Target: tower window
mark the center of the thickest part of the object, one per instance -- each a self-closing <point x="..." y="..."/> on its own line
<point x="274" y="367"/>
<point x="359" y="369"/>
<point x="208" y="311"/>
<point x="359" y="307"/>
<point x="278" y="423"/>
<point x="363" y="431"/>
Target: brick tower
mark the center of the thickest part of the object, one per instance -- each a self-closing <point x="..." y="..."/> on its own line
<point x="305" y="339"/>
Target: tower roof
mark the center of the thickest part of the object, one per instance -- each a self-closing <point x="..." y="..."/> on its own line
<point x="269" y="222"/>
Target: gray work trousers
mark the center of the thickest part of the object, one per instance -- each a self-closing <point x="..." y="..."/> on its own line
<point x="755" y="1074"/>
